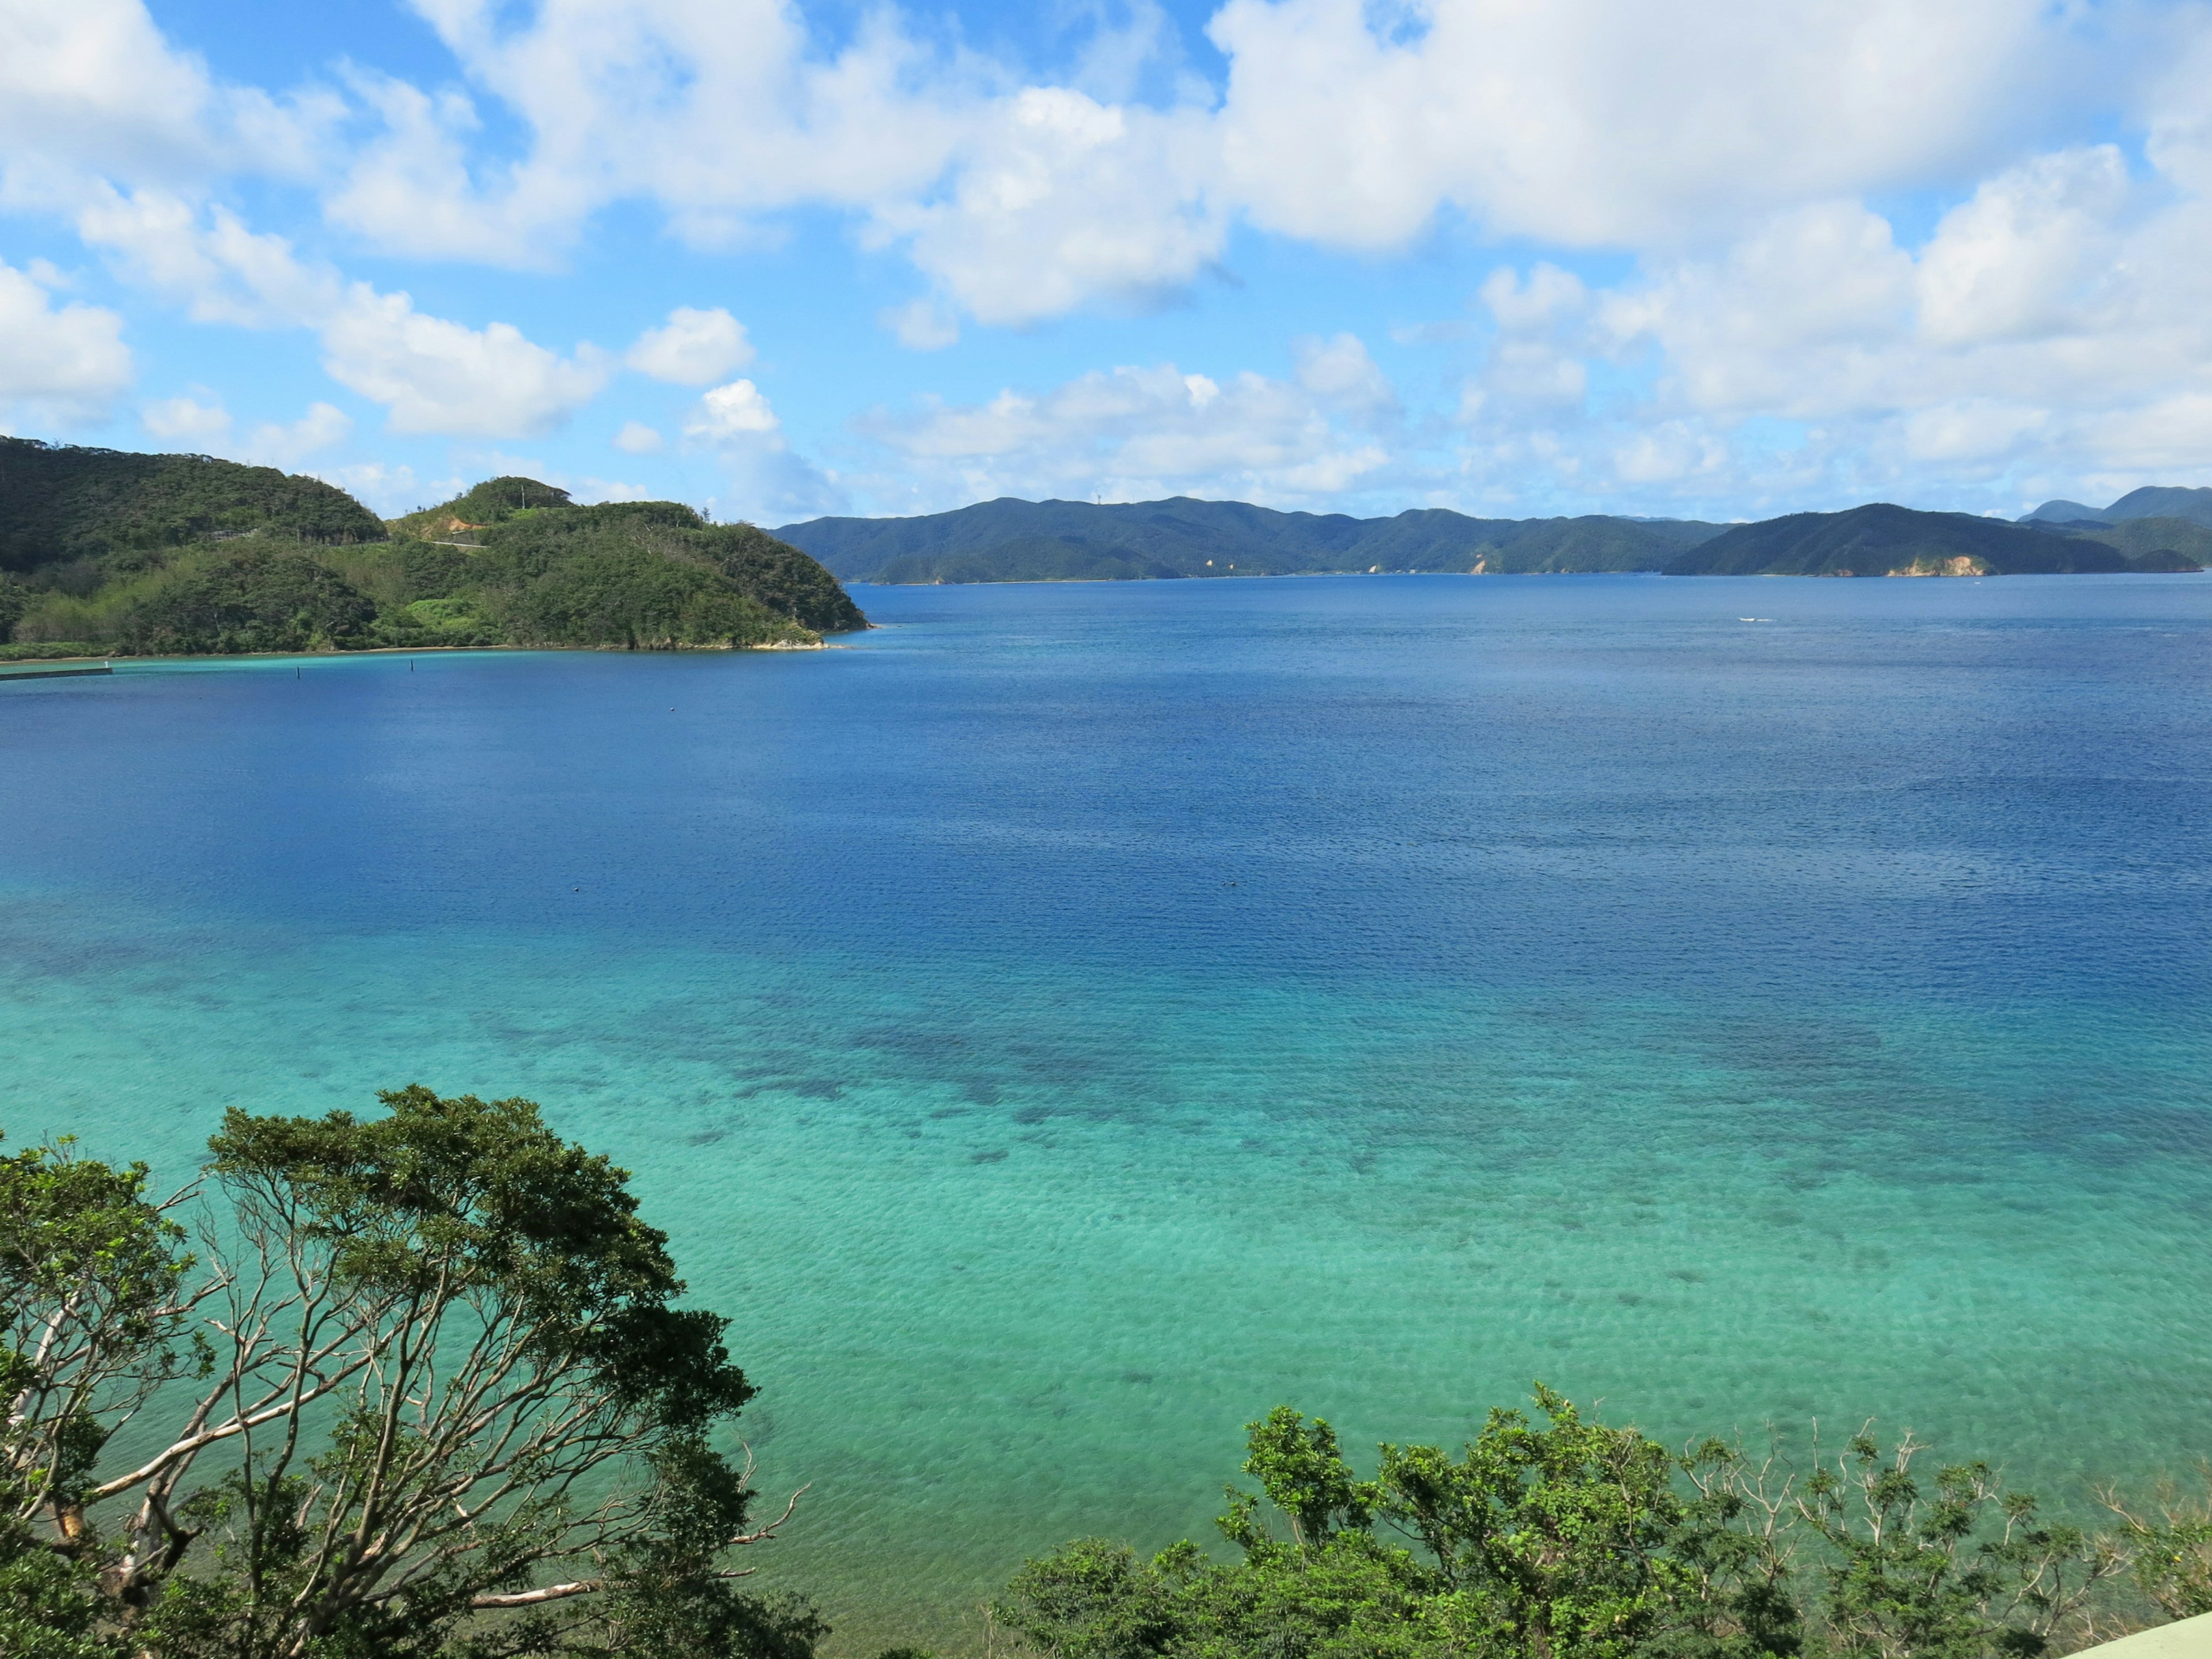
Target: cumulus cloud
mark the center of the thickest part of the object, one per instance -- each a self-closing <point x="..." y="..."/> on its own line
<point x="388" y="489"/>
<point x="1752" y="323"/>
<point x="693" y="348"/>
<point x="439" y="376"/>
<point x="922" y="325"/>
<point x="186" y="419"/>
<point x="1137" y="433"/>
<point x="1338" y="121"/>
<point x="1059" y="200"/>
<point x="735" y="411"/>
<point x="767" y="482"/>
<point x="1571" y="122"/>
<point x="287" y="444"/>
<point x="67" y="362"/>
<point x="434" y="375"/>
<point x="2054" y="328"/>
<point x="637" y="438"/>
<point x="92" y="89"/>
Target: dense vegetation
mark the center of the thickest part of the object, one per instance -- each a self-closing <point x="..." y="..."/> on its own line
<point x="65" y="505"/>
<point x="421" y="1385"/>
<point x="1882" y="540"/>
<point x="423" y="1388"/>
<point x="2151" y="502"/>
<point x="1566" y="1538"/>
<point x="121" y="554"/>
<point x="1009" y="540"/>
<point x="1062" y="541"/>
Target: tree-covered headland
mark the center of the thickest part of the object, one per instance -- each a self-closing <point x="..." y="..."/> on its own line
<point x="423" y="1385"/>
<point x="157" y="554"/>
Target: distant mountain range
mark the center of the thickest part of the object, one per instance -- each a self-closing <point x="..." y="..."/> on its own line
<point x="1010" y="540"/>
<point x="2151" y="502"/>
<point x="1880" y="540"/>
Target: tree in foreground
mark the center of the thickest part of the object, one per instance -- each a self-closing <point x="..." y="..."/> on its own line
<point x="425" y="1389"/>
<point x="1571" y="1540"/>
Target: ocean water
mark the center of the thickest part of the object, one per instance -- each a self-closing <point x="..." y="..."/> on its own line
<point x="1070" y="1020"/>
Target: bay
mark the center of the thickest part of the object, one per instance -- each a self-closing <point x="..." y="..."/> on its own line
<point x="1069" y="1020"/>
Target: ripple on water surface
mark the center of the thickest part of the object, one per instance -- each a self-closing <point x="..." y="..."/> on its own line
<point x="1075" y="1019"/>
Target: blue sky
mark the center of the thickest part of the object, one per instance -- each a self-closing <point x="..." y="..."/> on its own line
<point x="1720" y="259"/>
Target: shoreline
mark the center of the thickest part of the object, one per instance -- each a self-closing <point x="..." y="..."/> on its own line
<point x="822" y="644"/>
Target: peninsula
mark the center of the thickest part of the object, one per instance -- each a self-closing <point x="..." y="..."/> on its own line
<point x="108" y="553"/>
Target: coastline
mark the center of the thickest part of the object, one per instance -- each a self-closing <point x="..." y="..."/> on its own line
<point x="822" y="644"/>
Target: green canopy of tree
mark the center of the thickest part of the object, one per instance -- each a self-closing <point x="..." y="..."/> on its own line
<point x="249" y="600"/>
<point x="64" y="504"/>
<point x="615" y="566"/>
<point x="425" y="1387"/>
<point x="1567" y="1539"/>
<point x="165" y="555"/>
<point x="494" y="501"/>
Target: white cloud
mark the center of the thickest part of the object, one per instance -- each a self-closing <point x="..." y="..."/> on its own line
<point x="68" y="363"/>
<point x="438" y="376"/>
<point x="186" y="418"/>
<point x="391" y="490"/>
<point x="1610" y="122"/>
<point x="922" y="325"/>
<point x="2054" y="328"/>
<point x="1341" y="375"/>
<point x="272" y="444"/>
<point x="694" y="347"/>
<point x="736" y="411"/>
<point x="717" y="110"/>
<point x="1135" y="433"/>
<point x="1059" y="200"/>
<point x="94" y="88"/>
<point x="637" y="438"/>
<point x="211" y="264"/>
<point x="590" y="492"/>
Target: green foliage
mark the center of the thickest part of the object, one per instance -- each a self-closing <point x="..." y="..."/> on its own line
<point x="495" y="501"/>
<point x="2154" y="543"/>
<point x="433" y="622"/>
<point x="65" y="503"/>
<point x="1011" y="540"/>
<point x="1567" y="1539"/>
<point x="170" y="555"/>
<point x="2173" y="1545"/>
<point x="247" y="601"/>
<point x="1903" y="1574"/>
<point x="655" y="571"/>
<point x="457" y="1408"/>
<point x="1880" y="539"/>
<point x="90" y="1270"/>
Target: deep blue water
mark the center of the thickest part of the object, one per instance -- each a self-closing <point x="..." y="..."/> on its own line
<point x="1072" y="1019"/>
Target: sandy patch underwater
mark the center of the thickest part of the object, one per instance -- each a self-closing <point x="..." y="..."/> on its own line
<point x="1075" y="1019"/>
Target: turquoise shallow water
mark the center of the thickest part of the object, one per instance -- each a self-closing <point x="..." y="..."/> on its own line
<point x="1073" y="1019"/>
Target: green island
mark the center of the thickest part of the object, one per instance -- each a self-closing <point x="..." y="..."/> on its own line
<point x="2149" y="529"/>
<point x="423" y="1385"/>
<point x="105" y="553"/>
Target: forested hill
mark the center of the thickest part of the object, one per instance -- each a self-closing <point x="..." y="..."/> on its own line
<point x="60" y="504"/>
<point x="110" y="553"/>
<point x="2151" y="502"/>
<point x="1882" y="540"/>
<point x="1010" y="540"/>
